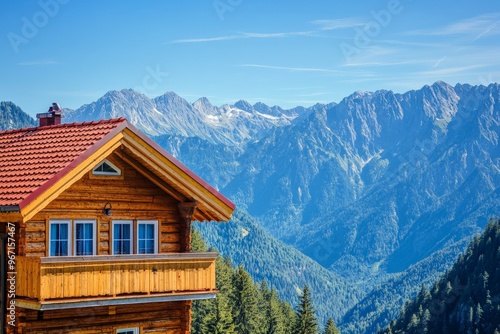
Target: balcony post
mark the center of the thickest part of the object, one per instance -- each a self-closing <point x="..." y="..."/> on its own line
<point x="186" y="210"/>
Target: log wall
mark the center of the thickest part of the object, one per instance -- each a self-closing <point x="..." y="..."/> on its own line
<point x="133" y="197"/>
<point x="170" y="318"/>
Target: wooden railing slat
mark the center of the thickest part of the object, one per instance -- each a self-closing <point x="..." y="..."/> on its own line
<point x="51" y="278"/>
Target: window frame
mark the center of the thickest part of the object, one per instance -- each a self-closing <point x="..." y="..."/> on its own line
<point x="129" y="222"/>
<point x="94" y="235"/>
<point x="134" y="330"/>
<point x="112" y="165"/>
<point x="70" y="235"/>
<point x="155" y="240"/>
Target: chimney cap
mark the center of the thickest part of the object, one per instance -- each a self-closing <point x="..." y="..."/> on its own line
<point x="52" y="117"/>
<point x="55" y="109"/>
<point x="55" y="106"/>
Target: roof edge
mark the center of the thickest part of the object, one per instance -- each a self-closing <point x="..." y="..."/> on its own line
<point x="31" y="205"/>
<point x="9" y="209"/>
<point x="74" y="164"/>
<point x="180" y="165"/>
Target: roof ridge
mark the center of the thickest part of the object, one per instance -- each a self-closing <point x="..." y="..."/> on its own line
<point x="66" y="125"/>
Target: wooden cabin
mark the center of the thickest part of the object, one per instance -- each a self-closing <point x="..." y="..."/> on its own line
<point x="95" y="231"/>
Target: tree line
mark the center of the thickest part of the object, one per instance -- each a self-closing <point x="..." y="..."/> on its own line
<point x="245" y="307"/>
<point x="464" y="300"/>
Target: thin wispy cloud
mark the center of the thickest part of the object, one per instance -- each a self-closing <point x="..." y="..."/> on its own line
<point x="77" y="93"/>
<point x="293" y="69"/>
<point x="450" y="71"/>
<point x="477" y="26"/>
<point x="314" y="94"/>
<point x="386" y="63"/>
<point x="439" y="61"/>
<point x="413" y="43"/>
<point x="349" y="22"/>
<point x="486" y="31"/>
<point x="244" y="35"/>
<point x="300" y="88"/>
<point x="377" y="54"/>
<point x="37" y="63"/>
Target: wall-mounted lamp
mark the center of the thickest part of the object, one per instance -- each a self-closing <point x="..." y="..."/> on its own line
<point x="107" y="209"/>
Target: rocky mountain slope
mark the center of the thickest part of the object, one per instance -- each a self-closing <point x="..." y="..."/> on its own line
<point x="380" y="189"/>
<point x="170" y="114"/>
<point x="13" y="117"/>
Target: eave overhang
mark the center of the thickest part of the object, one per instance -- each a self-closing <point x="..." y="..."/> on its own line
<point x="10" y="214"/>
<point x="88" y="302"/>
<point x="211" y="205"/>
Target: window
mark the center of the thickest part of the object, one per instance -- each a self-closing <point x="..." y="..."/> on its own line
<point x="84" y="237"/>
<point x="143" y="233"/>
<point x="62" y="238"/>
<point x="122" y="237"/>
<point x="147" y="230"/>
<point x="106" y="168"/>
<point x="127" y="331"/>
<point x="59" y="237"/>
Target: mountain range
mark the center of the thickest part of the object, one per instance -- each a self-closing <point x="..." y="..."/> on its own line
<point x="170" y="114"/>
<point x="383" y="190"/>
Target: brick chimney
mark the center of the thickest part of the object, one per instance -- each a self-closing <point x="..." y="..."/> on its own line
<point x="52" y="117"/>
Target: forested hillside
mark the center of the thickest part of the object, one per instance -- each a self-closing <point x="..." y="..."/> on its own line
<point x="465" y="300"/>
<point x="245" y="307"/>
<point x="283" y="267"/>
<point x="382" y="304"/>
<point x="370" y="198"/>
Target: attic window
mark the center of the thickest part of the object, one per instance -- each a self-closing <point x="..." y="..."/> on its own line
<point x="106" y="168"/>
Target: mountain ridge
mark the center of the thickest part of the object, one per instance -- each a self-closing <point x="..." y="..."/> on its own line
<point x="369" y="188"/>
<point x="170" y="114"/>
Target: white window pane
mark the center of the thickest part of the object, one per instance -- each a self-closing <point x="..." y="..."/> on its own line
<point x="122" y="237"/>
<point x="59" y="238"/>
<point x="84" y="237"/>
<point x="147" y="236"/>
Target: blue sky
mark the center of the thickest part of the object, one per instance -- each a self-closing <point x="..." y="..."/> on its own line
<point x="285" y="53"/>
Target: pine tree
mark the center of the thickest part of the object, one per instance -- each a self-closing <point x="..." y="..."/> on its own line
<point x="330" y="327"/>
<point x="224" y="323"/>
<point x="247" y="315"/>
<point x="306" y="322"/>
<point x="288" y="317"/>
<point x="203" y="320"/>
<point x="204" y="311"/>
<point x="241" y="305"/>
<point x="276" y="317"/>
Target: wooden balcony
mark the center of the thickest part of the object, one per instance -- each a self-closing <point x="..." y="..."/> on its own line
<point x="77" y="281"/>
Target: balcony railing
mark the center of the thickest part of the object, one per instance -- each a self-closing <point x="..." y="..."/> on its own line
<point x="104" y="277"/>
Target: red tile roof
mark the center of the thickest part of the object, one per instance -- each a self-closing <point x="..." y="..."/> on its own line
<point x="30" y="157"/>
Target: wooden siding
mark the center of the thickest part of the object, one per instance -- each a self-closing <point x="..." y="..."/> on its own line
<point x="111" y="276"/>
<point x="170" y="318"/>
<point x="133" y="197"/>
<point x="105" y="277"/>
